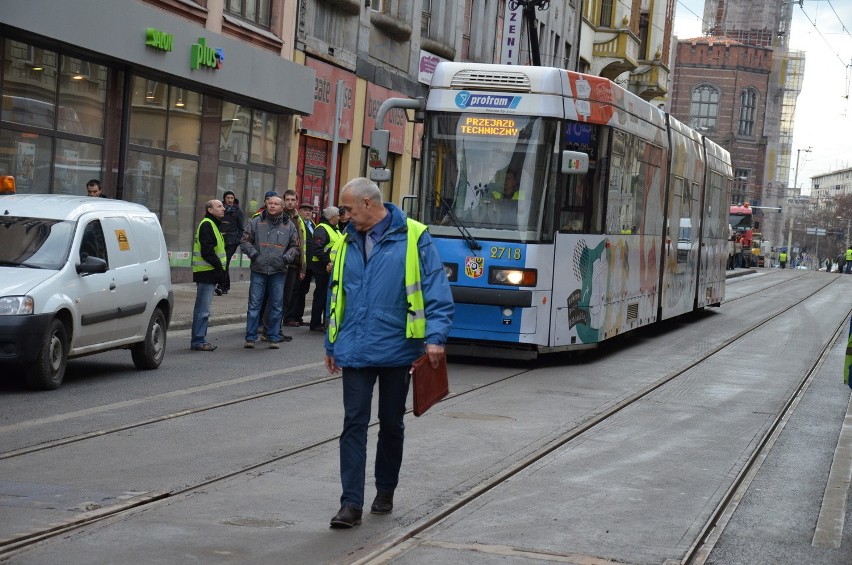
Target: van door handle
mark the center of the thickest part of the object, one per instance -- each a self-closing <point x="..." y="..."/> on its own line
<point x="112" y="286"/>
<point x="145" y="278"/>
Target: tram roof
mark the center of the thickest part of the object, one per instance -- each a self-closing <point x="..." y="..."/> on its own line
<point x="581" y="97"/>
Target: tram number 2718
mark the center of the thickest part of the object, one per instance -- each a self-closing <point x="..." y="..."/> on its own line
<point x="513" y="253"/>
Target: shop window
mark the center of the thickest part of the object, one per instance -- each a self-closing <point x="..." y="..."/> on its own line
<point x="82" y="97"/>
<point x="264" y="136"/>
<point x="247" y="152"/>
<point x="162" y="163"/>
<point x="53" y="102"/>
<point x="144" y="179"/>
<point x="75" y="163"/>
<point x="255" y="11"/>
<point x="184" y="131"/>
<point x="258" y="184"/>
<point x="148" y="113"/>
<point x="234" y="179"/>
<point x="178" y="216"/>
<point x="29" y="85"/>
<point x="27" y="157"/>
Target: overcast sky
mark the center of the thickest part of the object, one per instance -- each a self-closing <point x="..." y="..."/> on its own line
<point x="821" y="28"/>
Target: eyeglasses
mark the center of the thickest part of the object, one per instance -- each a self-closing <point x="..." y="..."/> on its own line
<point x="344" y="209"/>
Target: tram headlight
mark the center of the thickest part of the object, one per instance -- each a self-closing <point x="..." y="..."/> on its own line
<point x="513" y="277"/>
<point x="452" y="271"/>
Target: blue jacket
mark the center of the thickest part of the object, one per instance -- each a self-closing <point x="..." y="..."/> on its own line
<point x="372" y="333"/>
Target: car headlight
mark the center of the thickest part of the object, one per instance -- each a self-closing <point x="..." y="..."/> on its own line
<point x="15" y="305"/>
<point x="513" y="277"/>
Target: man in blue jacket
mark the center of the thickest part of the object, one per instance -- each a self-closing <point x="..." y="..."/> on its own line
<point x="390" y="302"/>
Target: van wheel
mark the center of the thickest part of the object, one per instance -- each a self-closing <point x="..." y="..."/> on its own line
<point x="48" y="369"/>
<point x="149" y="354"/>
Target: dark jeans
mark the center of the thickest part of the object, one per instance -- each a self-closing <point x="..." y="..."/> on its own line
<point x="321" y="280"/>
<point x="290" y="289"/>
<point x="296" y="311"/>
<point x="357" y="400"/>
<point x="201" y="313"/>
<point x="272" y="287"/>
<point x="230" y="249"/>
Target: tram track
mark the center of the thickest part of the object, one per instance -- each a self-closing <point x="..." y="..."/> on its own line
<point x="213" y="406"/>
<point x="20" y="542"/>
<point x="700" y="550"/>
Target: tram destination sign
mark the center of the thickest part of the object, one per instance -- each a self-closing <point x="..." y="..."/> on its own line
<point x="499" y="127"/>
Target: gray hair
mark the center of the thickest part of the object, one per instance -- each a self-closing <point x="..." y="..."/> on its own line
<point x="362" y="187"/>
<point x="330" y="212"/>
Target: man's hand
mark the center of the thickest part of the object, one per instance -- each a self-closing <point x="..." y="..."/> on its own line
<point x="435" y="353"/>
<point x="331" y="365"/>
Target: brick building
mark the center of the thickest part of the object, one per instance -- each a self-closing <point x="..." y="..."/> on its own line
<point x="720" y="89"/>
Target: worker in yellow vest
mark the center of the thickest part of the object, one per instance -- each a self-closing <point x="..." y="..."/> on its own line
<point x="390" y="304"/>
<point x="848" y="260"/>
<point x="782" y="259"/>
<point x="208" y="269"/>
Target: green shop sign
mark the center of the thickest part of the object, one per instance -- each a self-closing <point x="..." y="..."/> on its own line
<point x="159" y="39"/>
<point x="203" y="56"/>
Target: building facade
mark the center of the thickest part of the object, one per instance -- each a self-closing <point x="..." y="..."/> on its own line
<point x="169" y="103"/>
<point x="720" y="88"/>
<point x="830" y="185"/>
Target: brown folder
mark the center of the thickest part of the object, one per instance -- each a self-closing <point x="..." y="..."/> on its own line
<point x="430" y="385"/>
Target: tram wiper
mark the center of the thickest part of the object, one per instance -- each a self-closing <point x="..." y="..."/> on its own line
<point x="468" y="239"/>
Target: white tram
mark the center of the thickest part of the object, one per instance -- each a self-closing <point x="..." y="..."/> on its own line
<point x="544" y="254"/>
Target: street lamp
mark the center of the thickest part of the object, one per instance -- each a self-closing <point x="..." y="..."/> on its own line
<point x="793" y="208"/>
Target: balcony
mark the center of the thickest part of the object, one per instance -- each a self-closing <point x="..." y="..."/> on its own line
<point x="617" y="51"/>
<point x="649" y="81"/>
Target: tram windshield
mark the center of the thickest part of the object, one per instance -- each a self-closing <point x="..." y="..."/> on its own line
<point x="488" y="172"/>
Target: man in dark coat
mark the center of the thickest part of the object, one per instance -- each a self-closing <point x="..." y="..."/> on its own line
<point x="232" y="230"/>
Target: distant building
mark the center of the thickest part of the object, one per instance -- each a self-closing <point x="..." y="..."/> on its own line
<point x="760" y="131"/>
<point x="826" y="186"/>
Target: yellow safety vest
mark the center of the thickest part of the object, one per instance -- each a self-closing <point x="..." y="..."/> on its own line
<point x="334" y="236"/>
<point x="198" y="262"/>
<point x="303" y="232"/>
<point x="849" y="254"/>
<point x="415" y="326"/>
<point x="782" y="257"/>
<point x="498" y="195"/>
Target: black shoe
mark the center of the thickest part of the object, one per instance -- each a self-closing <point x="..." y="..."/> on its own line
<point x="286" y="338"/>
<point x="218" y="291"/>
<point x="346" y="518"/>
<point x="383" y="503"/>
<point x="317" y="329"/>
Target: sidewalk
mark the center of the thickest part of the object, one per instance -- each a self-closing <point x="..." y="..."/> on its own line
<point x="231" y="308"/>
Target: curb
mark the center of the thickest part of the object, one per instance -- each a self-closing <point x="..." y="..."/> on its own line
<point x="177" y="325"/>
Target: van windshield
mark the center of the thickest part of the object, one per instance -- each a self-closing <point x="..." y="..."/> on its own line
<point x="37" y="243"/>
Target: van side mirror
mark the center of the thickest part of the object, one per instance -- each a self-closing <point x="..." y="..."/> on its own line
<point x="90" y="265"/>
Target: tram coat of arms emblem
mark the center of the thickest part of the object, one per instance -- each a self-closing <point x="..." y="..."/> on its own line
<point x="474" y="266"/>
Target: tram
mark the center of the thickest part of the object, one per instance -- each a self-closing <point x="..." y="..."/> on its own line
<point x="566" y="210"/>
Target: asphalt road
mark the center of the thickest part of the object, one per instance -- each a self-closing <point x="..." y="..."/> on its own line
<point x="637" y="489"/>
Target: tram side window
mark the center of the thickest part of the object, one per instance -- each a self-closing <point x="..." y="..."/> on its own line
<point x="716" y="210"/>
<point x="580" y="198"/>
<point x="623" y="171"/>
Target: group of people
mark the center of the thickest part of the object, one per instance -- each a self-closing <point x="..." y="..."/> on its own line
<point x="286" y="251"/>
<point x="390" y="303"/>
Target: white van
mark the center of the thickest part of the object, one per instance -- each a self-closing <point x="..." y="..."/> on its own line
<point x="80" y="275"/>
